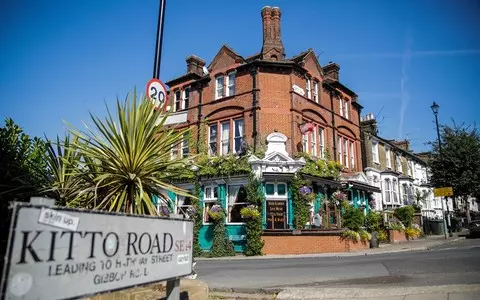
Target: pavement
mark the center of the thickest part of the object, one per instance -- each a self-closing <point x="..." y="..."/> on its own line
<point x="427" y="268"/>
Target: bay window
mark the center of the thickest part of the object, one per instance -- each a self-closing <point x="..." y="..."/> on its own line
<point x="225" y="138"/>
<point x="223" y="141"/>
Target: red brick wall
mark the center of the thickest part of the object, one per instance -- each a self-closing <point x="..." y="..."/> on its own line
<point x="309" y="244"/>
<point x="396" y="236"/>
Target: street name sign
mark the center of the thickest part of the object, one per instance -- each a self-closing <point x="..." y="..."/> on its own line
<point x="443" y="191"/>
<point x="157" y="93"/>
<point x="60" y="253"/>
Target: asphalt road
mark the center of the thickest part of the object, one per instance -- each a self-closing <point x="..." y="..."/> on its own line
<point x="457" y="263"/>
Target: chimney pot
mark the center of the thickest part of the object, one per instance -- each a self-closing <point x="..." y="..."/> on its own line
<point x="272" y="48"/>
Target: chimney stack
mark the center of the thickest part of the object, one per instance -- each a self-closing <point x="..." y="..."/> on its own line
<point x="195" y="65"/>
<point x="332" y="71"/>
<point x="369" y="124"/>
<point x="272" y="48"/>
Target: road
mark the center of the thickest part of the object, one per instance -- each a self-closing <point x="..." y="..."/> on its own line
<point x="457" y="263"/>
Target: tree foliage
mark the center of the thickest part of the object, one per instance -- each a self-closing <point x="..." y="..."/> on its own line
<point x="459" y="164"/>
<point x="405" y="214"/>
<point x="353" y="218"/>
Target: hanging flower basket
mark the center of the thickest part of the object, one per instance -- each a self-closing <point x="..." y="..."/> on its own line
<point x="338" y="198"/>
<point x="216" y="212"/>
<point x="250" y="212"/>
<point x="306" y="193"/>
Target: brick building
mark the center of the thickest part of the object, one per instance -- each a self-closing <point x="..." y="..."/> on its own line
<point x="295" y="102"/>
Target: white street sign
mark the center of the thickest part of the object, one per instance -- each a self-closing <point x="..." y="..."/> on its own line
<point x="157" y="93"/>
<point x="58" y="253"/>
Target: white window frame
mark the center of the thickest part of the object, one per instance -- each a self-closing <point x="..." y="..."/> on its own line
<point x="225" y="140"/>
<point x="305" y="143"/>
<point x="309" y="88"/>
<point x="388" y="186"/>
<point x="321" y="135"/>
<point x="229" y="85"/>
<point x="339" y="149"/>
<point x="185" y="150"/>
<point x="394" y="191"/>
<point x="240" y="137"/>
<point x="340" y="100"/>
<point x="209" y="199"/>
<point x="399" y="164"/>
<point x="174" y="152"/>
<point x="180" y="207"/>
<point x="388" y="156"/>
<point x="178" y="100"/>
<point x="313" y="142"/>
<point x="375" y="157"/>
<point x="219" y="90"/>
<point x="210" y="152"/>
<point x="345" y="152"/>
<point x="345" y="107"/>
<point x="352" y="154"/>
<point x="230" y="205"/>
<point x="315" y="91"/>
<point x="185" y="98"/>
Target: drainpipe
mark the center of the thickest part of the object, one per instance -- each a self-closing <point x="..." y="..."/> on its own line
<point x="333" y="126"/>
<point x="199" y="116"/>
<point x="254" y="72"/>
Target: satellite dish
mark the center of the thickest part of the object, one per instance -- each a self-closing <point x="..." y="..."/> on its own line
<point x="205" y="70"/>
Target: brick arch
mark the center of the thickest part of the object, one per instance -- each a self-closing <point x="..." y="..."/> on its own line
<point x="316" y="113"/>
<point x="234" y="109"/>
<point x="346" y="129"/>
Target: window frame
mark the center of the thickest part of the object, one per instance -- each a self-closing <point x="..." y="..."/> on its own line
<point x="184" y="146"/>
<point x="275" y="190"/>
<point x="229" y="205"/>
<point x="321" y="142"/>
<point x="315" y="91"/>
<point x="210" y="152"/>
<point x="178" y="100"/>
<point x="375" y="156"/>
<point x="313" y="141"/>
<point x="388" y="186"/>
<point x="388" y="157"/>
<point x="185" y="98"/>
<point x="208" y="200"/>
<point x="352" y="155"/>
<point x="240" y="137"/>
<point x="222" y="139"/>
<point x="228" y="84"/>
<point x="219" y="91"/>
<point x="309" y="88"/>
<point x="340" y="101"/>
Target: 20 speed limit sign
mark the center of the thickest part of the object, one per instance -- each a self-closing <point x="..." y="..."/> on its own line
<point x="157" y="93"/>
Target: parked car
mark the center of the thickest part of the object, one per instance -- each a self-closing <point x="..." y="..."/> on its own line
<point x="474" y="229"/>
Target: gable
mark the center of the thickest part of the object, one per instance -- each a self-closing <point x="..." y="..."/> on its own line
<point x="312" y="65"/>
<point x="277" y="157"/>
<point x="224" y="58"/>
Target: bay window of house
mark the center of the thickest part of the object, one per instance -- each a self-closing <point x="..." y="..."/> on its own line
<point x="394" y="191"/>
<point x="184" y="203"/>
<point x="230" y="84"/>
<point x="238" y="135"/>
<point x="212" y="139"/>
<point x="308" y="88"/>
<point x="237" y="199"/>
<point x="225" y="138"/>
<point x="388" y="190"/>
<point x="346" y="152"/>
<point x="375" y="152"/>
<point x="185" y="146"/>
<point x="315" y="91"/>
<point x="210" y="198"/>
<point x="389" y="161"/>
<point x="410" y="194"/>
<point x="178" y="100"/>
<point x="186" y="98"/>
<point x="321" y="141"/>
<point x="219" y="87"/>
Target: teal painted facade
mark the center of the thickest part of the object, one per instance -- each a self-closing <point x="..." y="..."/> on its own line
<point x="290" y="206"/>
<point x="360" y="199"/>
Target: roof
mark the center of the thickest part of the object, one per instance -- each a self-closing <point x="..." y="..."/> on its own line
<point x="410" y="154"/>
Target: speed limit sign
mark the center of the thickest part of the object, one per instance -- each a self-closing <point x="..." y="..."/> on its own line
<point x="157" y="93"/>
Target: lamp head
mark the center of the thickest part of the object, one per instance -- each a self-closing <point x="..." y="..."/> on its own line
<point x="435" y="107"/>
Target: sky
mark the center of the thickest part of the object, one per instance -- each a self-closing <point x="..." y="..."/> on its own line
<point x="61" y="60"/>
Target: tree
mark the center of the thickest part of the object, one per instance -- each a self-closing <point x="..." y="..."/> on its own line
<point x="126" y="159"/>
<point x="458" y="165"/>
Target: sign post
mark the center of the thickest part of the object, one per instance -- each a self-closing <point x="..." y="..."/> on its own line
<point x="443" y="192"/>
<point x="89" y="252"/>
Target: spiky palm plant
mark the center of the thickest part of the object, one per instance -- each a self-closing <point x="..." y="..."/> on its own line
<point x="127" y="158"/>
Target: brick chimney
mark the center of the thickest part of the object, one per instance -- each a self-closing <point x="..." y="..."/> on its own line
<point x="272" y="48"/>
<point x="332" y="70"/>
<point x="369" y="124"/>
<point x="195" y="65"/>
<point x="404" y="145"/>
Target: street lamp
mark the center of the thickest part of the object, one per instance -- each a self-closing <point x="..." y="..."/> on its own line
<point x="435" y="108"/>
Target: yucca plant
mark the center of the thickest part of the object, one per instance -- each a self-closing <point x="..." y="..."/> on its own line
<point x="126" y="158"/>
<point x="63" y="165"/>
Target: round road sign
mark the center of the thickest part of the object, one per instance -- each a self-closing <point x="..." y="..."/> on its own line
<point x="156" y="92"/>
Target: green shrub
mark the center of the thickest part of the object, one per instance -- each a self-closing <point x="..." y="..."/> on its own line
<point x="365" y="236"/>
<point x="353" y="218"/>
<point x="405" y="214"/>
<point x="253" y="228"/>
<point x="351" y="235"/>
<point x="373" y="221"/>
<point x="382" y="236"/>
<point x="221" y="245"/>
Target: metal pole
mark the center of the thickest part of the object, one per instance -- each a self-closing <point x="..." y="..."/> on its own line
<point x="158" y="45"/>
<point x="173" y="289"/>
<point x="445" y="230"/>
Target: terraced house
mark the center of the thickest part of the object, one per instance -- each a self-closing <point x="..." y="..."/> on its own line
<point x="285" y="111"/>
<point x="401" y="175"/>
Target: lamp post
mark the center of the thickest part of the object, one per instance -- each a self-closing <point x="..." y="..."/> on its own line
<point x="159" y="41"/>
<point x="435" y="108"/>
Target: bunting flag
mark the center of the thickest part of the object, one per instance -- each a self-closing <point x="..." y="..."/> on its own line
<point x="306" y="128"/>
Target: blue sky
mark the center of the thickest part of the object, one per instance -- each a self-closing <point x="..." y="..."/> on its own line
<point x="60" y="60"/>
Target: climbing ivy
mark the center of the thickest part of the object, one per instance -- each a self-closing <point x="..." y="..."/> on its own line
<point x="253" y="228"/>
<point x="320" y="167"/>
<point x="301" y="202"/>
<point x="197" y="219"/>
<point x="221" y="245"/>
